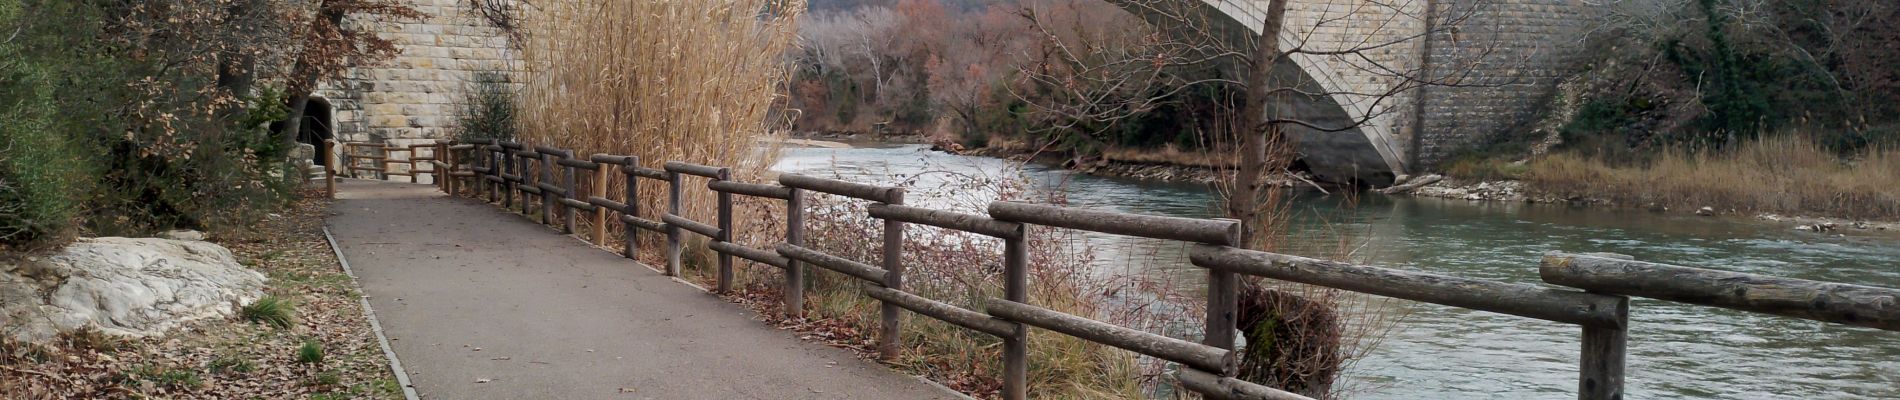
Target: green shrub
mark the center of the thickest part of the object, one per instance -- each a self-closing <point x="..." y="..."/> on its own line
<point x="270" y="310"/>
<point x="310" y="352"/>
<point x="44" y="168"/>
<point x="488" y="110"/>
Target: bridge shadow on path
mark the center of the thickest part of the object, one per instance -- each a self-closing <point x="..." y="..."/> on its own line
<point x="468" y="293"/>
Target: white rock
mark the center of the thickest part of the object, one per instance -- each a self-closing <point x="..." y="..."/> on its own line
<point x="1705" y="211"/>
<point x="122" y="286"/>
<point x="183" y="234"/>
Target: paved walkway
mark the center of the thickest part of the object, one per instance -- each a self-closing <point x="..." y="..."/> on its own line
<point x="480" y="304"/>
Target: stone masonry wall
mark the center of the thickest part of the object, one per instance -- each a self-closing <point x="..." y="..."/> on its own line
<point x="413" y="98"/>
<point x="1386" y="33"/>
<point x="1514" y="51"/>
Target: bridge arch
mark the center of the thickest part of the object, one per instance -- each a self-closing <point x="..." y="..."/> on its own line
<point x="1372" y="152"/>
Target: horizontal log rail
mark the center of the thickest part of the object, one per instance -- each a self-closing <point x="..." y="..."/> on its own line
<point x="1839" y="303"/>
<point x="650" y="173"/>
<point x="613" y="159"/>
<point x="751" y="189"/>
<point x="948" y="220"/>
<point x="550" y="188"/>
<point x="502" y="171"/>
<point x="582" y="164"/>
<point x="766" y="257"/>
<point x="842" y="188"/>
<point x="1212" y="386"/>
<point x="942" y="311"/>
<point x="853" y="268"/>
<point x="577" y="204"/>
<point x="1529" y="301"/>
<point x="643" y="223"/>
<point x="1210" y="231"/>
<point x="1187" y="353"/>
<point x="690" y="225"/>
<point x="609" y="204"/>
<point x="694" y="169"/>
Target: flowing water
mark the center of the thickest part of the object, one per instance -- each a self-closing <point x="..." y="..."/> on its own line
<point x="1435" y="352"/>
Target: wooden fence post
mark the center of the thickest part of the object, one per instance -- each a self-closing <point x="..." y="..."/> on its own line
<point x="891" y="336"/>
<point x="329" y="167"/>
<point x="1601" y="366"/>
<point x="382" y="164"/>
<point x="1223" y="302"/>
<point x="633" y="206"/>
<point x="725" y="233"/>
<point x="435" y="170"/>
<point x="413" y="170"/>
<point x="672" y="231"/>
<point x="547" y="176"/>
<point x="600" y="213"/>
<point x="490" y="189"/>
<point x="511" y="166"/>
<point x="1016" y="288"/>
<point x="530" y="175"/>
<point x="573" y="192"/>
<point x="794" y="269"/>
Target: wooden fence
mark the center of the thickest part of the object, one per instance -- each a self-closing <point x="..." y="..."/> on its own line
<point x="376" y="160"/>
<point x="510" y="173"/>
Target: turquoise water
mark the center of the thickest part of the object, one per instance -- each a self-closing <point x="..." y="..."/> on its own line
<point x="1435" y="352"/>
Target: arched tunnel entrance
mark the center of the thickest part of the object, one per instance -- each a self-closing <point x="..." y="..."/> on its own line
<point x="317" y="125"/>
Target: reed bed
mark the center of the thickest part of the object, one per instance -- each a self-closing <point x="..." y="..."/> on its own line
<point x="666" y="80"/>
<point x="1785" y="174"/>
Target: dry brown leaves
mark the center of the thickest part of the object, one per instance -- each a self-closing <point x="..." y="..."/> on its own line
<point x="226" y="359"/>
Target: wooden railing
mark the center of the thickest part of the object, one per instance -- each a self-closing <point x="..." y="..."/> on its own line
<point x="374" y="160"/>
<point x="503" y="172"/>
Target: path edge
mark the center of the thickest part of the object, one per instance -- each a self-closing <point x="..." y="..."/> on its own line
<point x="382" y="340"/>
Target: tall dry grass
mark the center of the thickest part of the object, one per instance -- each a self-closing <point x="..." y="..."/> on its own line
<point x="1785" y="174"/>
<point x="665" y="80"/>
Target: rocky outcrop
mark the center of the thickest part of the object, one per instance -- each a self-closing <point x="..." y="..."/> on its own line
<point x="122" y="286"/>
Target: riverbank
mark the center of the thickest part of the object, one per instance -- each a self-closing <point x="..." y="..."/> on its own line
<point x="1780" y="181"/>
<point x="1148" y="168"/>
<point x="326" y="351"/>
<point x="1520" y="192"/>
<point x="1769" y="179"/>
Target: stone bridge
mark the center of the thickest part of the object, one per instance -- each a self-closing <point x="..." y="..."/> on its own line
<point x="412" y="99"/>
<point x="1503" y="56"/>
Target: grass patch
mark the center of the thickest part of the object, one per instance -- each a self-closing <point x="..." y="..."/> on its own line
<point x="1486" y="169"/>
<point x="231" y="364"/>
<point x="310" y="352"/>
<point x="270" y="310"/>
<point x="175" y="379"/>
<point x="1780" y="175"/>
<point x="325" y="378"/>
<point x="90" y="338"/>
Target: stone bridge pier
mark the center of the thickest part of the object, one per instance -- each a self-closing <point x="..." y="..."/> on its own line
<point x="1503" y="58"/>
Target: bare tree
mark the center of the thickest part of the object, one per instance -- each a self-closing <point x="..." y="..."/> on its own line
<point x="1099" y="83"/>
<point x="329" y="48"/>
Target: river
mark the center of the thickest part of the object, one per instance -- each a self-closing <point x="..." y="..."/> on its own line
<point x="1435" y="352"/>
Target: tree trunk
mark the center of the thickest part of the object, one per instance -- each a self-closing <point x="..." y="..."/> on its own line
<point x="1292" y="343"/>
<point x="304" y="82"/>
<point x="293" y="125"/>
<point x="1254" y="128"/>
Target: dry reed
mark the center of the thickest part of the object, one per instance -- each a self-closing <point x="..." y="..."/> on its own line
<point x="666" y="80"/>
<point x="1786" y="174"/>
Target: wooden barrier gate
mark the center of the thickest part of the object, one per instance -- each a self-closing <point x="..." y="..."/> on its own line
<point x="502" y="171"/>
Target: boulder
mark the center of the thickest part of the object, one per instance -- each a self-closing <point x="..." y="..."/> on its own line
<point x="183" y="234"/>
<point x="122" y="286"/>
